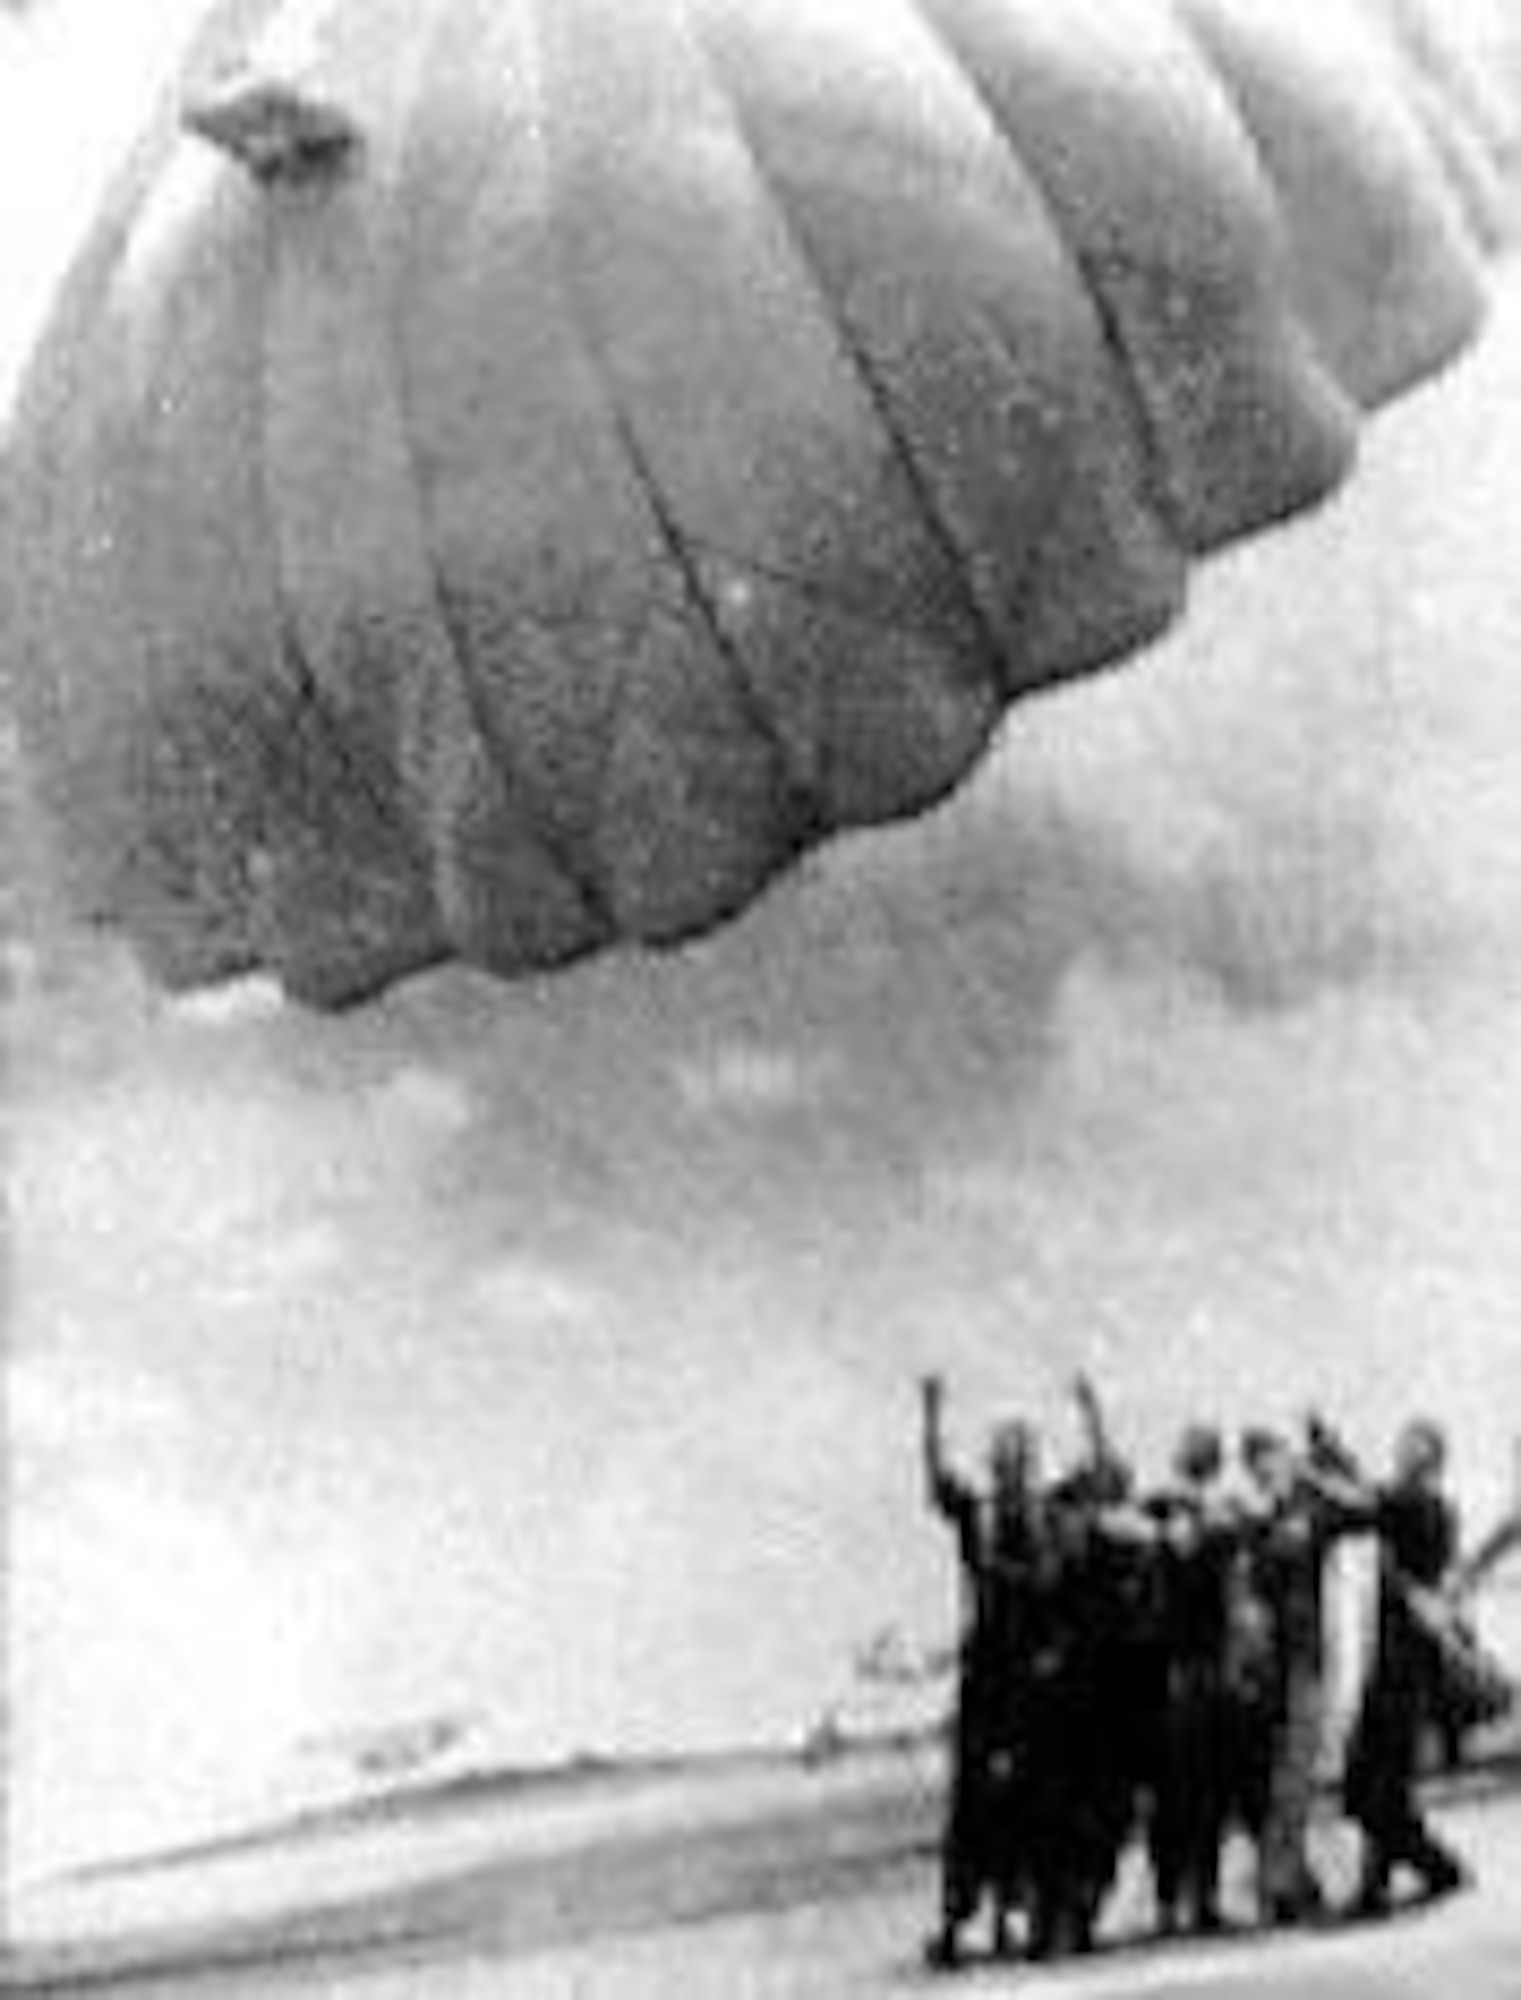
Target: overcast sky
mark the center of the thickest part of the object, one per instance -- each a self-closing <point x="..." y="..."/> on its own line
<point x="550" y="1351"/>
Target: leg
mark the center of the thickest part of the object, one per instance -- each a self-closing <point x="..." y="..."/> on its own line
<point x="961" y="1855"/>
<point x="1007" y="1848"/>
<point x="1404" y="1839"/>
<point x="1412" y="1842"/>
<point x="1166" y="1831"/>
<point x="1291" y="1891"/>
<point x="1196" y="1780"/>
<point x="1206" y="1870"/>
<point x="1249" y="1727"/>
<point x="958" y="1891"/>
<point x="1380" y="1775"/>
<point x="1213" y="1808"/>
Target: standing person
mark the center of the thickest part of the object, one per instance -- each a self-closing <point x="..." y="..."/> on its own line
<point x="1418" y="1536"/>
<point x="1119" y="1667"/>
<point x="1298" y="1508"/>
<point x="1125" y="1621"/>
<point x="1078" y="1796"/>
<point x="1000" y="1535"/>
<point x="1251" y="1693"/>
<point x="1197" y="1544"/>
<point x="1128" y="1727"/>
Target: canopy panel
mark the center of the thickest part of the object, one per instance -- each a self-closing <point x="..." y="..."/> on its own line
<point x="507" y="477"/>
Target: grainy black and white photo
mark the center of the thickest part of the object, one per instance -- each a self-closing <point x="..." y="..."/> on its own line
<point x="762" y="991"/>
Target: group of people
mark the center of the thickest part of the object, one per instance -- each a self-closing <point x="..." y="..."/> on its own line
<point x="1151" y="1663"/>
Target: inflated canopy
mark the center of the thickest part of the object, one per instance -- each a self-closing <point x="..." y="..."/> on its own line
<point x="506" y="477"/>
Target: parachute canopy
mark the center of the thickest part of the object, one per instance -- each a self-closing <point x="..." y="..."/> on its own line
<point x="507" y="477"/>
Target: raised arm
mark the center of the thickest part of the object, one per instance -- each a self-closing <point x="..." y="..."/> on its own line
<point x="1330" y="1453"/>
<point x="944" y="1488"/>
<point x="939" y="1483"/>
<point x="1091" y="1415"/>
<point x="1346" y="1505"/>
<point x="1333" y="1477"/>
<point x="1102" y="1457"/>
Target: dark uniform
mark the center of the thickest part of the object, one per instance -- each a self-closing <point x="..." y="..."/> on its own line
<point x="1418" y="1533"/>
<point x="1128" y="1727"/>
<point x="1078" y="1806"/>
<point x="994" y="1786"/>
<point x="1190" y="1804"/>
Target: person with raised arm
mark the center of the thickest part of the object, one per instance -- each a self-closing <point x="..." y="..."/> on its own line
<point x="1198" y="1538"/>
<point x="989" y="1840"/>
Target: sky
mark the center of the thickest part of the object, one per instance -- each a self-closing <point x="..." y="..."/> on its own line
<point x="548" y="1353"/>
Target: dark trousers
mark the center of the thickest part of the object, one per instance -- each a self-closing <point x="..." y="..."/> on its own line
<point x="1070" y="1846"/>
<point x="1382" y="1769"/>
<point x="1188" y="1820"/>
<point x="986" y="1841"/>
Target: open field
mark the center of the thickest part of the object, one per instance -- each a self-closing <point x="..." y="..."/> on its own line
<point x="752" y="1878"/>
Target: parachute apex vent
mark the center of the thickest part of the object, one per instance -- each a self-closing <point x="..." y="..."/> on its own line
<point x="278" y="130"/>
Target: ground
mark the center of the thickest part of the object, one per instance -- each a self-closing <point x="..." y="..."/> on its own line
<point x="1466" y="1950"/>
<point x="859" y="1932"/>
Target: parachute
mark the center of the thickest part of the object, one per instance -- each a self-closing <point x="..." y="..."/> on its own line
<point x="506" y="478"/>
